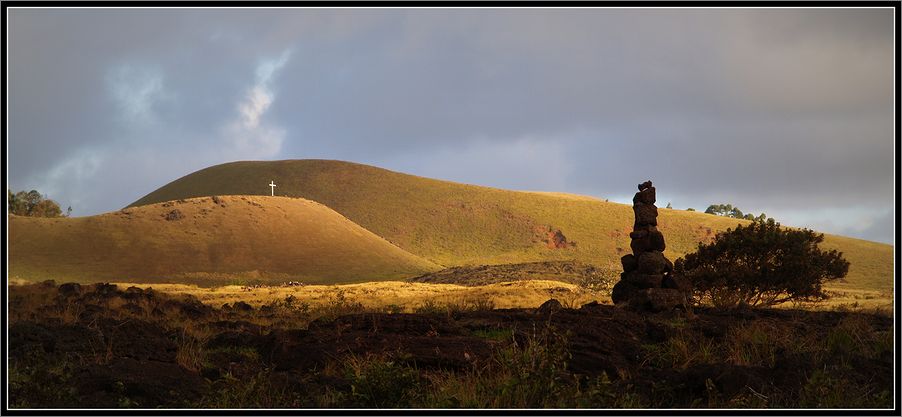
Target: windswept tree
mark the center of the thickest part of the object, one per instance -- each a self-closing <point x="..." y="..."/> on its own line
<point x="762" y="264"/>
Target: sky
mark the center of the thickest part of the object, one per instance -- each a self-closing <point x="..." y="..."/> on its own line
<point x="784" y="111"/>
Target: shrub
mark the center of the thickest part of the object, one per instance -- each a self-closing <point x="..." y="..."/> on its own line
<point x="256" y="391"/>
<point x="762" y="264"/>
<point x="381" y="382"/>
<point x="681" y="351"/>
<point x="531" y="372"/>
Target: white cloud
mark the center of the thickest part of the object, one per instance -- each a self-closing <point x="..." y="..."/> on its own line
<point x="248" y="136"/>
<point x="268" y="68"/>
<point x="253" y="143"/>
<point x="136" y="90"/>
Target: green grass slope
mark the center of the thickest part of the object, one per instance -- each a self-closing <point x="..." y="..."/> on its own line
<point x="457" y="224"/>
<point x="251" y="238"/>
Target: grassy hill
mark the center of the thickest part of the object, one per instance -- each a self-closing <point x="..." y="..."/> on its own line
<point x="456" y="224"/>
<point x="227" y="240"/>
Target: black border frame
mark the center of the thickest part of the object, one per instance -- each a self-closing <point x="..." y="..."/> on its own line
<point x="651" y="4"/>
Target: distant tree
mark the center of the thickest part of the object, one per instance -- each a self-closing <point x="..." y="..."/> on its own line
<point x="31" y="199"/>
<point x="46" y="208"/>
<point x="31" y="204"/>
<point x="761" y="264"/>
<point x="669" y="206"/>
<point x="69" y="212"/>
<point x="11" y="201"/>
<point x="727" y="210"/>
<point x="690" y="209"/>
<point x="720" y="209"/>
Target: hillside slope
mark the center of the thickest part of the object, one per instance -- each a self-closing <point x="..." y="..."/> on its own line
<point x="458" y="224"/>
<point x="267" y="239"/>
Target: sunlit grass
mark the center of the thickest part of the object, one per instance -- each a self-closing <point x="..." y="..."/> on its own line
<point x="389" y="294"/>
<point x="458" y="224"/>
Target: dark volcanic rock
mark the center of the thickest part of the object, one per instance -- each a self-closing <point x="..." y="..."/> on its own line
<point x="639" y="280"/>
<point x="638" y="234"/>
<point x="652" y="262"/>
<point x="658" y="299"/>
<point x="646" y="214"/>
<point x="638" y="246"/>
<point x="242" y="306"/>
<point x="69" y="289"/>
<point x="143" y="383"/>
<point x="629" y="263"/>
<point x="175" y="214"/>
<point x="656" y="241"/>
<point x="550" y="306"/>
<point x="119" y="363"/>
<point x="646" y="270"/>
<point x="622" y="292"/>
<point x="646" y="196"/>
<point x="104" y="289"/>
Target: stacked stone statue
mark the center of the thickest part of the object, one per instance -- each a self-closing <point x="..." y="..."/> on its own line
<point x="648" y="281"/>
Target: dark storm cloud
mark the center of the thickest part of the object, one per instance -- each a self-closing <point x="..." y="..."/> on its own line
<point x="787" y="111"/>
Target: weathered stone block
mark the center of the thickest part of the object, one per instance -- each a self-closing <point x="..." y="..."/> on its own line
<point x="652" y="262"/>
<point x="656" y="241"/>
<point x="622" y="292"/>
<point x="549" y="307"/>
<point x="658" y="299"/>
<point x="646" y="196"/>
<point x="638" y="246"/>
<point x="646" y="214"/>
<point x="629" y="263"/>
<point x="642" y="280"/>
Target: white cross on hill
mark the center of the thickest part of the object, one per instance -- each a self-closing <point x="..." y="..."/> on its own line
<point x="272" y="188"/>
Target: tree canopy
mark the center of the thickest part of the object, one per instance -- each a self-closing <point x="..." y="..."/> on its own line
<point x="32" y="203"/>
<point x="727" y="210"/>
<point x="762" y="264"/>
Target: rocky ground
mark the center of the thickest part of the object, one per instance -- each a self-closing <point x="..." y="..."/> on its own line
<point x="573" y="272"/>
<point x="101" y="346"/>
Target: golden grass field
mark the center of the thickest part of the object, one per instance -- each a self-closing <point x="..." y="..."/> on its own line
<point x="453" y="224"/>
<point x="244" y="238"/>
<point x="338" y="223"/>
<point x="405" y="296"/>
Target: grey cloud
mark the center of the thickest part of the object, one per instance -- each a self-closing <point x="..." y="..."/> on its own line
<point x="770" y="109"/>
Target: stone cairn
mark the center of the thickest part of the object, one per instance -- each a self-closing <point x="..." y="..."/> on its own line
<point x="648" y="281"/>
